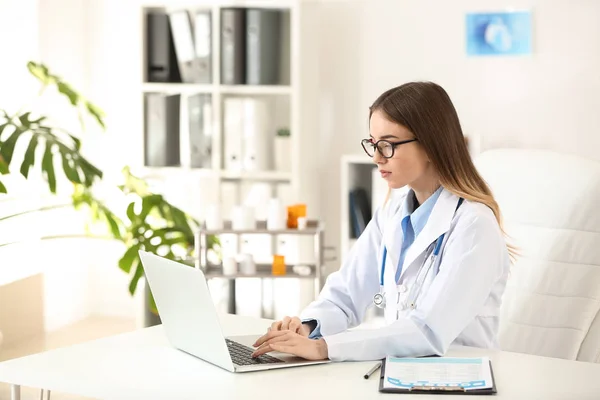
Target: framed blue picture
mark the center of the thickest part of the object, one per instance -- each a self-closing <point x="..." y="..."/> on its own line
<point x="500" y="33"/>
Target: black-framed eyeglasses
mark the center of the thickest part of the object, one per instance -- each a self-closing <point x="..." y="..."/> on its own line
<point x="385" y="147"/>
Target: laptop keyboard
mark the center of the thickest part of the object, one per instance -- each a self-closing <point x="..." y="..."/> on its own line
<point x="242" y="355"/>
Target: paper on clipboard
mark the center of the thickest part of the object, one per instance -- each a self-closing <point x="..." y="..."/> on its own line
<point x="466" y="373"/>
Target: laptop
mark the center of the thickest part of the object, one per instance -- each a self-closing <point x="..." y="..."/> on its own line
<point x="191" y="323"/>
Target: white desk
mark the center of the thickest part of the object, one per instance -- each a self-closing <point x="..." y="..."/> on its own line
<point x="142" y="365"/>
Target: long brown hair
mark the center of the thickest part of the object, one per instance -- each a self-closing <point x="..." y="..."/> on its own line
<point x="426" y="110"/>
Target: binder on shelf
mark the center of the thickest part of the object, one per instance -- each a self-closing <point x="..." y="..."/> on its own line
<point x="161" y="133"/>
<point x="233" y="46"/>
<point x="192" y="67"/>
<point x="263" y="32"/>
<point x="257" y="145"/>
<point x="161" y="60"/>
<point x="248" y="144"/>
<point x="203" y="43"/>
<point x="233" y="109"/>
<point x="200" y="130"/>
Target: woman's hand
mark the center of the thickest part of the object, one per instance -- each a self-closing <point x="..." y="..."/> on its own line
<point x="290" y="324"/>
<point x="292" y="343"/>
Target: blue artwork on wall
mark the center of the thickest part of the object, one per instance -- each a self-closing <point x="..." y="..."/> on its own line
<point x="501" y="33"/>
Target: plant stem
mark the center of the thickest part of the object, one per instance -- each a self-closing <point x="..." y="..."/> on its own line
<point x="63" y="237"/>
<point x="47" y="208"/>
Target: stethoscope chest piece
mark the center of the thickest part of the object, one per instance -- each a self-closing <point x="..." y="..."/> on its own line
<point x="379" y="300"/>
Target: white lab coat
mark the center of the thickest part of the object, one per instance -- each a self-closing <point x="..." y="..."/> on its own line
<point x="460" y="299"/>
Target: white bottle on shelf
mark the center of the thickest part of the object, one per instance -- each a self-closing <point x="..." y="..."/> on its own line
<point x="242" y="218"/>
<point x="229" y="265"/>
<point x="213" y="219"/>
<point x="247" y="264"/>
<point x="276" y="215"/>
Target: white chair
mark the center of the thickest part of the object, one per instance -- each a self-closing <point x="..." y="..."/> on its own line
<point x="551" y="208"/>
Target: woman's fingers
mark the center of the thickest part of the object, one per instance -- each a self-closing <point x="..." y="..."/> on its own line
<point x="276" y="326"/>
<point x="269" y="335"/>
<point x="293" y="343"/>
<point x="285" y="323"/>
<point x="295" y="324"/>
<point x="267" y="346"/>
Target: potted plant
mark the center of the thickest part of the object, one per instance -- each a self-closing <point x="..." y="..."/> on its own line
<point x="147" y="222"/>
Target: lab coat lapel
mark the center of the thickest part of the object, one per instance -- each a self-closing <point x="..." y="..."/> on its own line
<point x="439" y="222"/>
<point x="392" y="239"/>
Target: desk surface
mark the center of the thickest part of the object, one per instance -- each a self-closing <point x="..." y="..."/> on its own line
<point x="142" y="365"/>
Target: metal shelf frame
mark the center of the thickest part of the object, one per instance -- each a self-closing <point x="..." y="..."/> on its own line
<point x="313" y="228"/>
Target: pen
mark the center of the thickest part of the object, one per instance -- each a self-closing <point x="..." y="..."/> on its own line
<point x="373" y="369"/>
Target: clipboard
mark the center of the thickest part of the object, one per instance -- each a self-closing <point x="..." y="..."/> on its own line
<point x="436" y="390"/>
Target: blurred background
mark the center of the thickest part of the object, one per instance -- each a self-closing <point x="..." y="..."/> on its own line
<point x="184" y="115"/>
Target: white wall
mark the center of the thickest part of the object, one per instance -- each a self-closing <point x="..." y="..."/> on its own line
<point x="18" y="22"/>
<point x="18" y="266"/>
<point x="548" y="100"/>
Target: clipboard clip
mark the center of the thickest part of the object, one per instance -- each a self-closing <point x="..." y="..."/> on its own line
<point x="437" y="388"/>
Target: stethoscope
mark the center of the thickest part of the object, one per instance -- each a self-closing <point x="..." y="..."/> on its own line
<point x="417" y="287"/>
<point x="379" y="298"/>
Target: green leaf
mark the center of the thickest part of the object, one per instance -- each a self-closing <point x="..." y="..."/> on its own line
<point x="2" y="127"/>
<point x="2" y="188"/>
<point x="97" y="113"/>
<point x="38" y="121"/>
<point x="148" y="202"/>
<point x="24" y="119"/>
<point x="69" y="168"/>
<point x="29" y="159"/>
<point x="68" y="91"/>
<point x="213" y="241"/>
<point x="176" y="240"/>
<point x="3" y="164"/>
<point x="181" y="221"/>
<point x="89" y="170"/>
<point x="139" y="272"/>
<point x="40" y="71"/>
<point x="48" y="168"/>
<point x="126" y="262"/>
<point x="89" y="174"/>
<point x="131" y="211"/>
<point x="8" y="147"/>
<point x="76" y="142"/>
<point x="113" y="224"/>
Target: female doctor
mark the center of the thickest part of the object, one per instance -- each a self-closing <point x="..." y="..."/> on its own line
<point x="435" y="259"/>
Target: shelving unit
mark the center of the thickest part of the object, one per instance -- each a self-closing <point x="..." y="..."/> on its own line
<point x="194" y="188"/>
<point x="283" y="98"/>
<point x="314" y="229"/>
